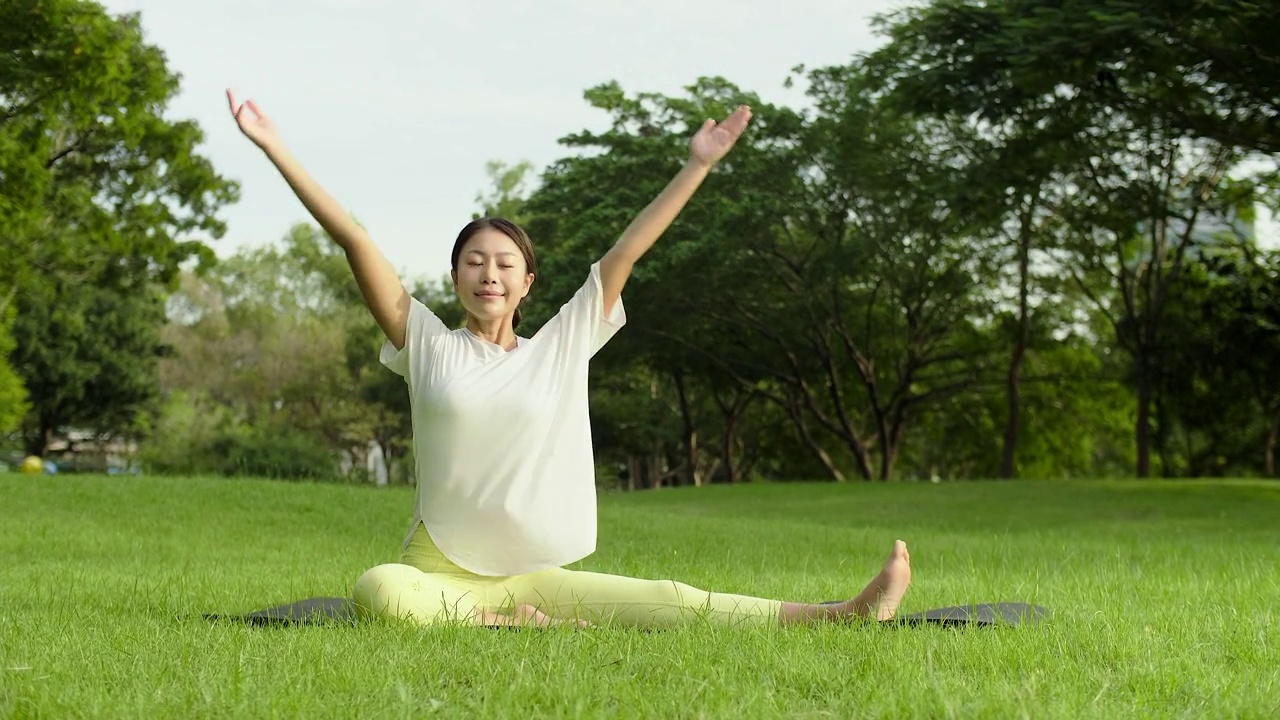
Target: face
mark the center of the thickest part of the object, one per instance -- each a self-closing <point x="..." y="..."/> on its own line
<point x="492" y="277"/>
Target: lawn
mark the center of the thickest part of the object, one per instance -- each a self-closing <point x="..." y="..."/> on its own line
<point x="1164" y="595"/>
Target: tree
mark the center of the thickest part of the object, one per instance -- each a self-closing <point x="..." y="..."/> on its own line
<point x="1138" y="167"/>
<point x="102" y="195"/>
<point x="107" y="180"/>
<point x="509" y="191"/>
<point x="13" y="394"/>
<point x="1220" y="388"/>
<point x="885" y="270"/>
<point x="1074" y="404"/>
<point x="265" y="334"/>
<point x="278" y="341"/>
<point x="1197" y="67"/>
<point x="383" y="391"/>
<point x="1147" y="218"/>
<point x="89" y="357"/>
<point x="817" y="268"/>
<point x="653" y="371"/>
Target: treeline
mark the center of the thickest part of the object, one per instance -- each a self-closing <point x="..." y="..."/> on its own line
<point x="1016" y="241"/>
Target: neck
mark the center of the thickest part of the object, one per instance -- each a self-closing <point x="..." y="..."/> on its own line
<point x="497" y="331"/>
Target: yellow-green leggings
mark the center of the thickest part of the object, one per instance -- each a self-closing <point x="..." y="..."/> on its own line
<point x="426" y="587"/>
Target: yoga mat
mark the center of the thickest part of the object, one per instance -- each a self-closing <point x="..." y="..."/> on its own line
<point x="331" y="610"/>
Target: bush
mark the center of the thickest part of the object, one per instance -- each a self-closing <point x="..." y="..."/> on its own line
<point x="180" y="441"/>
<point x="278" y="453"/>
<point x="196" y="436"/>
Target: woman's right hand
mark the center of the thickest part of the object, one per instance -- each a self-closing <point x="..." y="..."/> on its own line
<point x="253" y="122"/>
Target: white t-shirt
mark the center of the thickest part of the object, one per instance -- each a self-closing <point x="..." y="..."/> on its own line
<point x="502" y="440"/>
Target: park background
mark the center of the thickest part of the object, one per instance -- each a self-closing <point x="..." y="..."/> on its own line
<point x="967" y="241"/>
<point x="958" y="242"/>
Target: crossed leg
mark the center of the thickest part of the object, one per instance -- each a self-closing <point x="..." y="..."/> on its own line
<point x="557" y="596"/>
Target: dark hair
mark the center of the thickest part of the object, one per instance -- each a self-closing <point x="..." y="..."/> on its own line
<point x="508" y="228"/>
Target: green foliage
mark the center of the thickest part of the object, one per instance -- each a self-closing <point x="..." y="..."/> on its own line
<point x="1193" y="65"/>
<point x="182" y="435"/>
<point x="510" y="190"/>
<point x="281" y="451"/>
<point x="986" y="235"/>
<point x="1131" y="139"/>
<point x="84" y="100"/>
<point x="1076" y="421"/>
<point x="13" y="394"/>
<point x="102" y="195"/>
<point x="265" y="335"/>
<point x="88" y="355"/>
<point x="813" y="258"/>
<point x="1220" y="389"/>
<point x="275" y="342"/>
<point x="194" y="435"/>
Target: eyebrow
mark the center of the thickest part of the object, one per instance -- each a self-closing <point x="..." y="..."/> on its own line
<point x="501" y="254"/>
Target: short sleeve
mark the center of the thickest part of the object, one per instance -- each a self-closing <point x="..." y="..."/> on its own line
<point x="606" y="325"/>
<point x="581" y="324"/>
<point x="420" y="328"/>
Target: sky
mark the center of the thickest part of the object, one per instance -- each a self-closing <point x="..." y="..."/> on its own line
<point x="395" y="106"/>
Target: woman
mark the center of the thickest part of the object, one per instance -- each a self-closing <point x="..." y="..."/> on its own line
<point x="502" y="440"/>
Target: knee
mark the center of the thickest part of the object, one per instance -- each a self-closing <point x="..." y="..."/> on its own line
<point x="378" y="591"/>
<point x="675" y="593"/>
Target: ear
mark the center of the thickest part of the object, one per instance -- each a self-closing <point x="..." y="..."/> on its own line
<point x="453" y="274"/>
<point x="528" y="282"/>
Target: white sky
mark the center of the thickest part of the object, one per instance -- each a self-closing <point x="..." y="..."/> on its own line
<point x="395" y="106"/>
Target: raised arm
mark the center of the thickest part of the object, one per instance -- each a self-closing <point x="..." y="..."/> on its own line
<point x="711" y="143"/>
<point x="383" y="292"/>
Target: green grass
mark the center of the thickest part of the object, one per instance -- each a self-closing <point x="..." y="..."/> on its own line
<point x="1165" y="598"/>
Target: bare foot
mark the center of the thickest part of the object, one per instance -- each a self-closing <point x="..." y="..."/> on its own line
<point x="881" y="597"/>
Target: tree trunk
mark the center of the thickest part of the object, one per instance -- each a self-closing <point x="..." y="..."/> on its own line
<point x="726" y="446"/>
<point x="389" y="458"/>
<point x="1160" y="438"/>
<point x="633" y="472"/>
<point x="1013" y="418"/>
<point x="892" y="445"/>
<point x="39" y="441"/>
<point x="748" y="462"/>
<point x="1142" y="432"/>
<point x="655" y="470"/>
<point x="797" y="416"/>
<point x="732" y="413"/>
<point x="886" y="466"/>
<point x="689" y="434"/>
<point x="1269" y="457"/>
